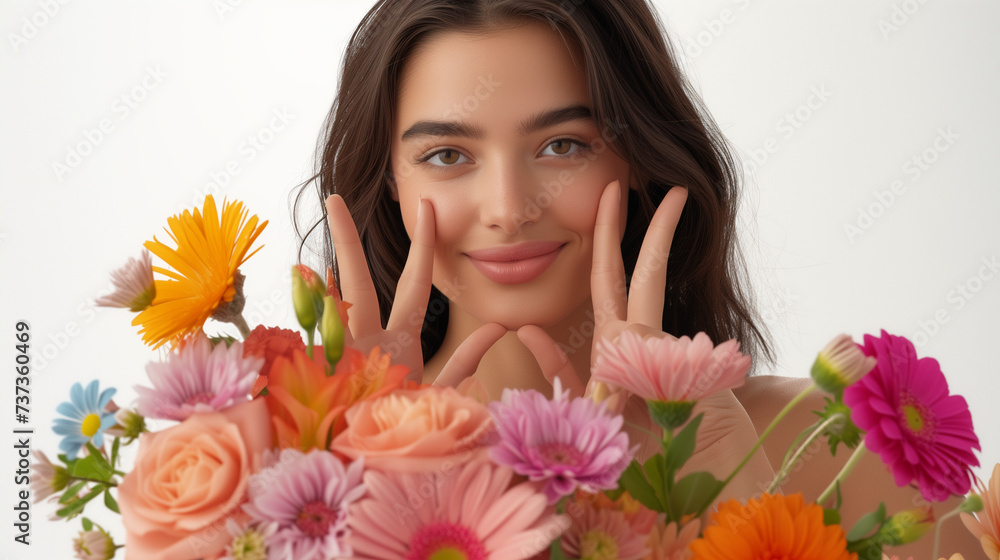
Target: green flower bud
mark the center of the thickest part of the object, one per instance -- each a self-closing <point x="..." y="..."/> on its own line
<point x="332" y="331"/>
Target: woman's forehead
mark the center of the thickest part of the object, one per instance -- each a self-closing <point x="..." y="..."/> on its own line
<point x="495" y="79"/>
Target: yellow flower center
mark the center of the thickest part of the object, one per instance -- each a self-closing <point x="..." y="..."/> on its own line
<point x="90" y="425"/>
<point x="598" y="545"/>
<point x="249" y="546"/>
<point x="448" y="553"/>
<point x="914" y="419"/>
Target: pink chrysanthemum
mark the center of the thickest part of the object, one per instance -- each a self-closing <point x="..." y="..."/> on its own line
<point x="134" y="285"/>
<point x="469" y="513"/>
<point x="198" y="378"/>
<point x="921" y="432"/>
<point x="568" y="443"/>
<point x="602" y="531"/>
<point x="307" y="496"/>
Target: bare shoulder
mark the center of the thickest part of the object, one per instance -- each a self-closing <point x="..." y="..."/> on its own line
<point x="870" y="482"/>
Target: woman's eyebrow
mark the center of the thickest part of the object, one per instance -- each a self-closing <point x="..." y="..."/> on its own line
<point x="533" y="123"/>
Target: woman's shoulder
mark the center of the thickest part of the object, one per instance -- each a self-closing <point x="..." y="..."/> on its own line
<point x="763" y="397"/>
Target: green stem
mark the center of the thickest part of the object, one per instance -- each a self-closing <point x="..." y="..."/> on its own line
<point x="937" y="529"/>
<point x="787" y="466"/>
<point x="309" y="345"/>
<point x="795" y="443"/>
<point x="846" y="470"/>
<point x="87" y="479"/>
<point x="760" y="440"/>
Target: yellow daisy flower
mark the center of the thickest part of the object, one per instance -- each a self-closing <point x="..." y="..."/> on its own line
<point x="209" y="252"/>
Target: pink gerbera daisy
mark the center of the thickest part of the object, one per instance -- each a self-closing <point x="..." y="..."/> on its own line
<point x="922" y="433"/>
<point x="601" y="530"/>
<point x="198" y="378"/>
<point x="470" y="513"/>
<point x="671" y="373"/>
<point x="568" y="443"/>
<point x="307" y="496"/>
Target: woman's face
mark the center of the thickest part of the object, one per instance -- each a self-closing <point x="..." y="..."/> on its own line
<point x="494" y="129"/>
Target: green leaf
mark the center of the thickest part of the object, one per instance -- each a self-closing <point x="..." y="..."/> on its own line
<point x="109" y="501"/>
<point x="831" y="516"/>
<point x="71" y="492"/>
<point x="78" y="505"/>
<point x="682" y="446"/>
<point x="87" y="524"/>
<point x="634" y="481"/>
<point x="867" y="523"/>
<point x="114" y="453"/>
<point x="692" y="493"/>
<point x="656" y="474"/>
<point x="92" y="467"/>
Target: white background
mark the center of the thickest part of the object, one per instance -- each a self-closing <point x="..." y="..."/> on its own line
<point x="894" y="73"/>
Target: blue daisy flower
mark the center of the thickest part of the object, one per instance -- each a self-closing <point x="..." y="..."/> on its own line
<point x="86" y="418"/>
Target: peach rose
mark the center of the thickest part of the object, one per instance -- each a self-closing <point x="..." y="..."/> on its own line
<point x="188" y="479"/>
<point x="416" y="430"/>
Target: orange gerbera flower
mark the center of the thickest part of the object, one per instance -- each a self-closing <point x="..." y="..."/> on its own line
<point x="209" y="252"/>
<point x="772" y="527"/>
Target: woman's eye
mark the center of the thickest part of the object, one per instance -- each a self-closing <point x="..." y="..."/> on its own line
<point x="448" y="157"/>
<point x="561" y="147"/>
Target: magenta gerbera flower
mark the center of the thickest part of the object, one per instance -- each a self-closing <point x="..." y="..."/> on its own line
<point x="921" y="432"/>
<point x="198" y="378"/>
<point x="568" y="443"/>
<point x="470" y="513"/>
<point x="307" y="496"/>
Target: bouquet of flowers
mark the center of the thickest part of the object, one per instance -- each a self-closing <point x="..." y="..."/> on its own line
<point x="282" y="448"/>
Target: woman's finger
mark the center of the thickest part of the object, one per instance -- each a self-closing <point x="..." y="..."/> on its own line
<point x="414" y="287"/>
<point x="355" y="281"/>
<point x="465" y="360"/>
<point x="551" y="359"/>
<point x="607" y="276"/>
<point x="649" y="280"/>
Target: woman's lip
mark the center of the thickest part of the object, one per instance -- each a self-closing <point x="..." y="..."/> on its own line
<point x="519" y="252"/>
<point x="515" y="264"/>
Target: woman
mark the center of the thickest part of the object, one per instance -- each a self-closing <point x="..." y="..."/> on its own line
<point x="545" y="157"/>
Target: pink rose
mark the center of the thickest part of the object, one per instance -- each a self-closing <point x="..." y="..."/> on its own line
<point x="416" y="430"/>
<point x="189" y="479"/>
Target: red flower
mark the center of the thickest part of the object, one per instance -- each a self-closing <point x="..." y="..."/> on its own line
<point x="270" y="343"/>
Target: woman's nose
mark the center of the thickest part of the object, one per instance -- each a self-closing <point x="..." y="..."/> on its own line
<point x="506" y="202"/>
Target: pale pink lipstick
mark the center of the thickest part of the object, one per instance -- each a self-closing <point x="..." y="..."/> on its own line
<point x="515" y="264"/>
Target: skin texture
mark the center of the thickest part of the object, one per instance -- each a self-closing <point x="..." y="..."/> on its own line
<point x="508" y="187"/>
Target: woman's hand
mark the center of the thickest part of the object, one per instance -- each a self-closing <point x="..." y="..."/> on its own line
<point x="401" y="337"/>
<point x="640" y="311"/>
<point x="726" y="433"/>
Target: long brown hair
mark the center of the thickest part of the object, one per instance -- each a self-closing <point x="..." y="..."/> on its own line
<point x="637" y="90"/>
